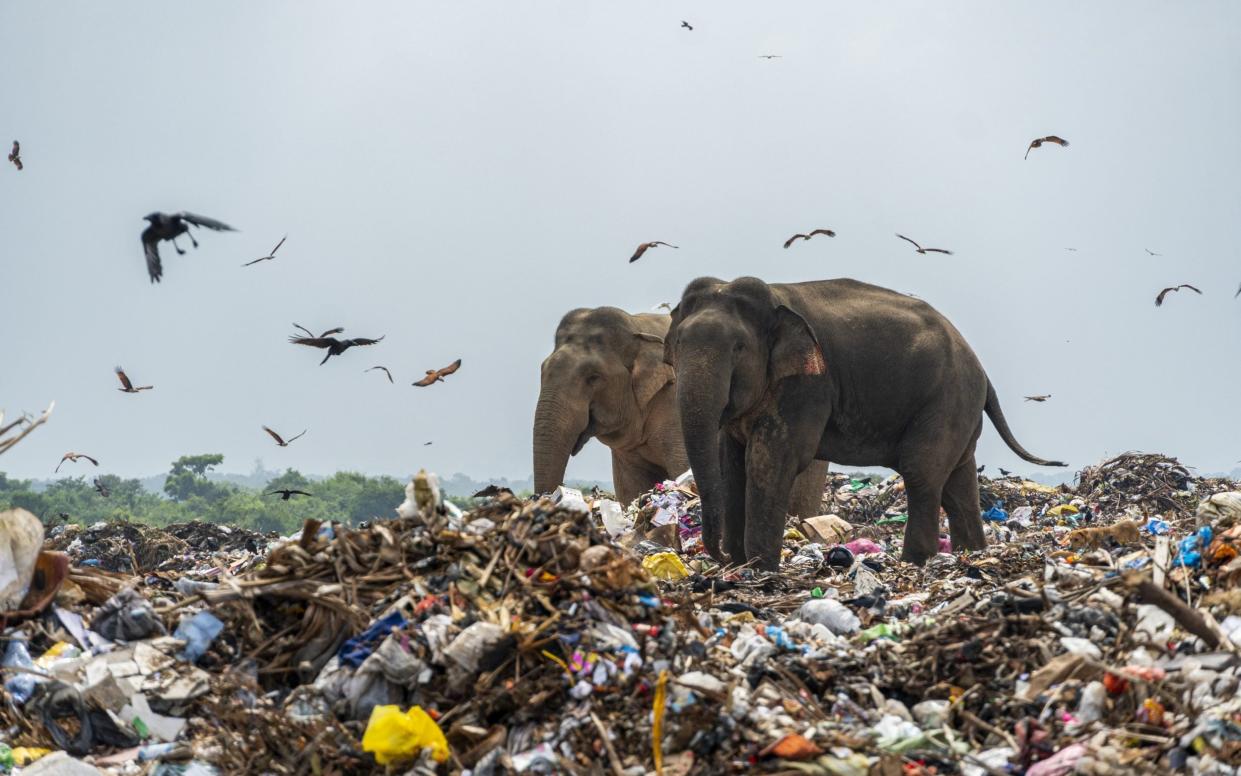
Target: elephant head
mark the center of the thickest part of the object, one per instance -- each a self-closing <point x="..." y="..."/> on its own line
<point x="606" y="367"/>
<point x="731" y="344"/>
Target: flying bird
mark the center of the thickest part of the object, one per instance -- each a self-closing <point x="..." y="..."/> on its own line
<point x="269" y="256"/>
<point x="686" y="25"/>
<point x="73" y="458"/>
<point x="1166" y="291"/>
<point x="664" y="306"/>
<point x="1049" y="139"/>
<point x="127" y="386"/>
<point x="279" y="440"/>
<point x="15" y="156"/>
<point x="1152" y="253"/>
<point x="334" y="346"/>
<point x="924" y="250"/>
<point x="385" y="371"/>
<point x="285" y="495"/>
<point x="426" y="444"/>
<point x="646" y="246"/>
<point x="1040" y="397"/>
<point x="795" y="237"/>
<point x="1234" y="296"/>
<point x="1071" y="250"/>
<point x="327" y="333"/>
<point x="165" y="226"/>
<point x="438" y="375"/>
<point x="770" y="56"/>
<point x="101" y="488"/>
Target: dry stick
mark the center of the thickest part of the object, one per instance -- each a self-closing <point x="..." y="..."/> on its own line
<point x="1186" y="617"/>
<point x="613" y="760"/>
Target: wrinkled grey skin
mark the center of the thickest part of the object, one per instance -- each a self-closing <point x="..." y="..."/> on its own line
<point x="606" y="378"/>
<point x="771" y="377"/>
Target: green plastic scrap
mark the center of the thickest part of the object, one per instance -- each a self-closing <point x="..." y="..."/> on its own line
<point x="816" y="593"/>
<point x="856" y="485"/>
<point x="880" y="631"/>
<point x="893" y="520"/>
<point x="6" y="758"/>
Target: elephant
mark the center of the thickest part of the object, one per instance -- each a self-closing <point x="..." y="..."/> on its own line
<point x="606" y="378"/>
<point x="770" y="377"/>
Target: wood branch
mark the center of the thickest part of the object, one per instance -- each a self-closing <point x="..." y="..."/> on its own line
<point x="5" y="444"/>
<point x="1186" y="617"/>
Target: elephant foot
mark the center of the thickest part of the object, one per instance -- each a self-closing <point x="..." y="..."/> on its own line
<point x="969" y="542"/>
<point x="915" y="555"/>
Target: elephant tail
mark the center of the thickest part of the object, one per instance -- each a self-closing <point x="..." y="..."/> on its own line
<point x="1001" y="425"/>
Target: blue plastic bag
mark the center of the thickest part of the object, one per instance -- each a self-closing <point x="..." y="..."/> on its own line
<point x="995" y="514"/>
<point x="198" y="632"/>
<point x="360" y="647"/>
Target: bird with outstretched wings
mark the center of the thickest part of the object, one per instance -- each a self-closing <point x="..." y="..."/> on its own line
<point x="281" y="441"/>
<point x="327" y="333"/>
<point x="15" y="156"/>
<point x="126" y="385"/>
<point x="269" y="256"/>
<point x="333" y="346"/>
<point x="438" y="375"/>
<point x="73" y="458"/>
<point x="686" y="25"/>
<point x="1038" y="143"/>
<point x="288" y="493"/>
<point x="1159" y="299"/>
<point x="385" y="371"/>
<point x="922" y="250"/>
<point x="644" y="247"/>
<point x="1040" y="397"/>
<point x="170" y="226"/>
<point x="799" y="236"/>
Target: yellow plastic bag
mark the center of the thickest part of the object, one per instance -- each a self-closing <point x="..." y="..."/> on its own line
<point x="1062" y="509"/>
<point x="25" y="755"/>
<point x="393" y="735"/>
<point x="666" y="566"/>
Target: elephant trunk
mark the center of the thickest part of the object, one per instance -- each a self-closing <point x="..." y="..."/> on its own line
<point x="702" y="394"/>
<point x="558" y="428"/>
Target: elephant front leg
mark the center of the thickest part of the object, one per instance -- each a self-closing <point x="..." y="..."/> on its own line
<point x="770" y="471"/>
<point x="733" y="470"/>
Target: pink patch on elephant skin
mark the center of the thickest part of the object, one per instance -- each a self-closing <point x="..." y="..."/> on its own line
<point x="814" y="364"/>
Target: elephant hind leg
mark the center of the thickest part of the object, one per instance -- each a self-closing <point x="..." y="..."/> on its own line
<point x="961" y="503"/>
<point x="922" y="528"/>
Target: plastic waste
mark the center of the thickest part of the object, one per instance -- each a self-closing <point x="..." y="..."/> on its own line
<point x="880" y="631"/>
<point x="1060" y="763"/>
<point x="187" y="587"/>
<point x="863" y="547"/>
<point x="930" y="714"/>
<point x="6" y="758"/>
<point x="198" y="632"/>
<point x="832" y="614"/>
<point x="1189" y="550"/>
<point x="667" y="566"/>
<point x="21" y="538"/>
<point x="614" y="519"/>
<point x="1157" y="527"/>
<point x="394" y="736"/>
<point x="1090" y="707"/>
<point x="945" y="545"/>
<point x="995" y="514"/>
<point x="356" y="649"/>
<point x="840" y="557"/>
<point x="570" y="499"/>
<point x="1220" y="506"/>
<point x="19" y="685"/>
<point x="127" y="616"/>
<point x="60" y="764"/>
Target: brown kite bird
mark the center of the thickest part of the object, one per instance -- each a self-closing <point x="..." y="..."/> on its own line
<point x="73" y="458"/>
<point x="101" y="488"/>
<point x="644" y="247"/>
<point x="127" y="386"/>
<point x="1049" y="139"/>
<point x="795" y="237"/>
<point x="920" y="249"/>
<point x="269" y="256"/>
<point x="385" y="371"/>
<point x="1040" y="397"/>
<point x="438" y="375"/>
<point x="280" y="441"/>
<point x="15" y="156"/>
<point x="1166" y="291"/>
<point x="334" y="346"/>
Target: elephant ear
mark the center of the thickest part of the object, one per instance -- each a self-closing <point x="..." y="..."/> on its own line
<point x="671" y="337"/>
<point x="650" y="373"/>
<point x="795" y="349"/>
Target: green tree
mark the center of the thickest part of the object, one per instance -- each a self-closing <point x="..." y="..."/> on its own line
<point x="188" y="478"/>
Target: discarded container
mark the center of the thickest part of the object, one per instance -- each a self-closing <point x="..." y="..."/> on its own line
<point x="21" y="538"/>
<point x="394" y="736"/>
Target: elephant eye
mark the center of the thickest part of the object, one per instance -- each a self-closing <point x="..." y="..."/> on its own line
<point x="594" y="379"/>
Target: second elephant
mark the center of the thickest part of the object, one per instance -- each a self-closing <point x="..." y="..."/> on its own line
<point x="606" y="378"/>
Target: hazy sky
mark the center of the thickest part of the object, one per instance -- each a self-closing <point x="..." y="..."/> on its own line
<point x="457" y="175"/>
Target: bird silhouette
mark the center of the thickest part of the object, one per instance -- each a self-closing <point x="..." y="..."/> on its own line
<point x="165" y="226"/>
<point x="1234" y="296"/>
<point x="1159" y="299"/>
<point x="280" y="441"/>
<point x="438" y="375"/>
<point x="1039" y="398"/>
<point x="334" y="346"/>
<point x="127" y="386"/>
<point x="1038" y="143"/>
<point x="790" y="241"/>
<point x="771" y="56"/>
<point x="1152" y="253"/>
<point x="286" y="494"/>
<point x="101" y="488"/>
<point x="1005" y="472"/>
<point x="15" y="156"/>
<point x="920" y="249"/>
<point x="385" y="371"/>
<point x="269" y="256"/>
<point x="980" y="468"/>
<point x="686" y="25"/>
<point x="73" y="458"/>
<point x="646" y="246"/>
<point x="664" y="306"/>
<point x="1071" y="250"/>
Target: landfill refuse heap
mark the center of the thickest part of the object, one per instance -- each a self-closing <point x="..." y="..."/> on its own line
<point x="1096" y="634"/>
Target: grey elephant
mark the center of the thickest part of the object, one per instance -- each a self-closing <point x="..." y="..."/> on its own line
<point x="606" y="378"/>
<point x="771" y="377"/>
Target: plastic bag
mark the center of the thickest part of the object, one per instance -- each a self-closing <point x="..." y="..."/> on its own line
<point x="667" y="566"/>
<point x="198" y="632"/>
<point x="393" y="736"/>
<point x="21" y="538"/>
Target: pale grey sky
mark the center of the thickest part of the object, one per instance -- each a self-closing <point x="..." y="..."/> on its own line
<point x="458" y="175"/>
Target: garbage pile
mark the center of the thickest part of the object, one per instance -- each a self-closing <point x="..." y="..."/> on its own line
<point x="1096" y="634"/>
